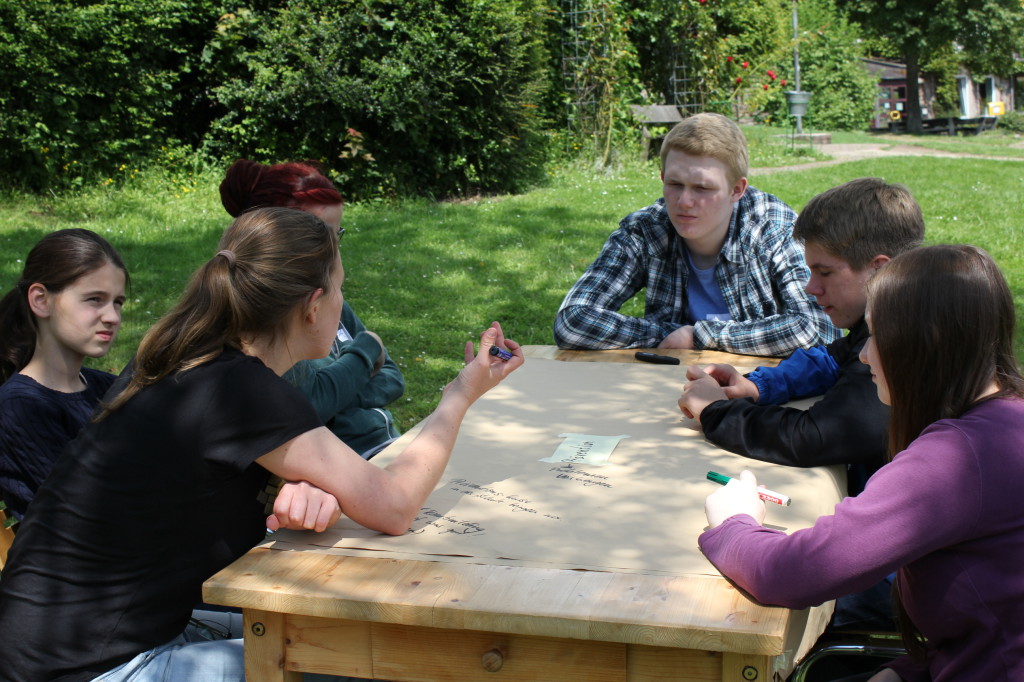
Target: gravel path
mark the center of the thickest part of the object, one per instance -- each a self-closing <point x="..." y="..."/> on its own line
<point x="873" y="150"/>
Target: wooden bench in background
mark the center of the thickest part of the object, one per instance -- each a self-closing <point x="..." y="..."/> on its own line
<point x="650" y="116"/>
<point x="974" y="126"/>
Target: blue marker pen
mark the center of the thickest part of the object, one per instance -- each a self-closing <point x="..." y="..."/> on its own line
<point x="501" y="353"/>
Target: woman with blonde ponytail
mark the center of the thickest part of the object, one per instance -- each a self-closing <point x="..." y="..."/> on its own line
<point x="354" y="385"/>
<point x="166" y="488"/>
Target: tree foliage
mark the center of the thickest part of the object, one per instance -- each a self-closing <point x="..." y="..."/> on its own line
<point x="90" y="85"/>
<point x="738" y="58"/>
<point x="413" y="97"/>
<point x="986" y="32"/>
<point x="421" y="97"/>
<point x="842" y="90"/>
<point x="393" y="97"/>
<point x="599" y="72"/>
<point x="694" y="40"/>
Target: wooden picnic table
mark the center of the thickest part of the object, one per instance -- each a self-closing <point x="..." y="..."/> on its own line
<point x="413" y="615"/>
<point x="952" y="125"/>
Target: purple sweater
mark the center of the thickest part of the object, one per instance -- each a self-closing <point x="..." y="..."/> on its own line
<point x="948" y="512"/>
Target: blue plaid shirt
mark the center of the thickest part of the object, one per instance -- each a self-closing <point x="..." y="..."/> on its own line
<point x="761" y="272"/>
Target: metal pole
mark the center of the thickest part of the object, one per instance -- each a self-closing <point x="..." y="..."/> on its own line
<point x="796" y="63"/>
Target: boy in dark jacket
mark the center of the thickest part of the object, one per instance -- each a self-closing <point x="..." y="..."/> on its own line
<point x="849" y="232"/>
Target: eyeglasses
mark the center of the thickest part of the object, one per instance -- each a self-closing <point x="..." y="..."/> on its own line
<point x="341" y="233"/>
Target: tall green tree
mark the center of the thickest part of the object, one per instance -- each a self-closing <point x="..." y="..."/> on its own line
<point x="987" y="32"/>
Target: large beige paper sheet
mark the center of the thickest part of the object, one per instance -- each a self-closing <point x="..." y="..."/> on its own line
<point x="642" y="511"/>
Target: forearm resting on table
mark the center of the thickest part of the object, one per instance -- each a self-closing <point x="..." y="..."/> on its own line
<point x="388" y="499"/>
<point x="414" y="473"/>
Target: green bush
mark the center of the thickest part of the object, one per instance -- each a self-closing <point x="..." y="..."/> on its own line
<point x="1012" y="121"/>
<point x="842" y="90"/>
<point x="86" y="88"/>
<point x="706" y="44"/>
<point x="738" y="58"/>
<point x="409" y="97"/>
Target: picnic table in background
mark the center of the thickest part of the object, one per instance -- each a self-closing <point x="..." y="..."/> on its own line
<point x="951" y="125"/>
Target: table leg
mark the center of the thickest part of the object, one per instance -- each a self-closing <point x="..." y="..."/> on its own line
<point x="265" y="647"/>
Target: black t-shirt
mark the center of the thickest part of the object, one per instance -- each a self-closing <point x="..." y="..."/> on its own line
<point x="139" y="511"/>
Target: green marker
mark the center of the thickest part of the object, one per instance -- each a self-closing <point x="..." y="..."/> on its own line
<point x="763" y="493"/>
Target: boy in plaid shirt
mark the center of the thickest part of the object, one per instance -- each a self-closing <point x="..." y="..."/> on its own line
<point x="716" y="256"/>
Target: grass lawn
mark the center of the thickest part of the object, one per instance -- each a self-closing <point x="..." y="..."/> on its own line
<point x="428" y="276"/>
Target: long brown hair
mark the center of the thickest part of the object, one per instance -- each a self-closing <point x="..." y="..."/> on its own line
<point x="57" y="261"/>
<point x="942" y="320"/>
<point x="268" y="261"/>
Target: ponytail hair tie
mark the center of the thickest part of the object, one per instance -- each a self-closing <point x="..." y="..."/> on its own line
<point x="229" y="256"/>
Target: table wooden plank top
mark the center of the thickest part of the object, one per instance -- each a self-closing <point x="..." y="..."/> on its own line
<point x="697" y="612"/>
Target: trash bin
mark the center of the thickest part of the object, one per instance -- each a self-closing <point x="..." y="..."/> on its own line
<point x="797" y="101"/>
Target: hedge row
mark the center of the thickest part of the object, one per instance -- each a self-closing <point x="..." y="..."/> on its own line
<point x="393" y="97"/>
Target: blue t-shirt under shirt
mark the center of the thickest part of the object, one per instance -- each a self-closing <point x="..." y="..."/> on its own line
<point x="704" y="295"/>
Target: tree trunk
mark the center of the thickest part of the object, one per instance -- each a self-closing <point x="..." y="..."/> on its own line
<point x="913" y="58"/>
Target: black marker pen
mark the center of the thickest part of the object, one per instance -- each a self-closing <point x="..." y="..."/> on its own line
<point x="655" y="358"/>
<point x="501" y="353"/>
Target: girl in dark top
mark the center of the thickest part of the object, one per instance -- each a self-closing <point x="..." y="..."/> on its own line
<point x="162" y="490"/>
<point x="66" y="307"/>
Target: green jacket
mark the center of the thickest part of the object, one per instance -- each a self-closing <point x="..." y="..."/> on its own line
<point x="350" y="402"/>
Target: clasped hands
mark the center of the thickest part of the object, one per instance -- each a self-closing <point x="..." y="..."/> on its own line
<point x="713" y="383"/>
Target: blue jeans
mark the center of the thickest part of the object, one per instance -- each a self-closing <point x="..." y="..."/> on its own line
<point x="179" y="660"/>
<point x="209" y="650"/>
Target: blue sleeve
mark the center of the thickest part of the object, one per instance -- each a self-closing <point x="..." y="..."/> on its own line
<point x="806" y="372"/>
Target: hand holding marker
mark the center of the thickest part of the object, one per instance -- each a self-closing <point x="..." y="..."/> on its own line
<point x="763" y="493"/>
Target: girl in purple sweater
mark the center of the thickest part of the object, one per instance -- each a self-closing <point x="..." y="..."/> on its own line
<point x="947" y="512"/>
